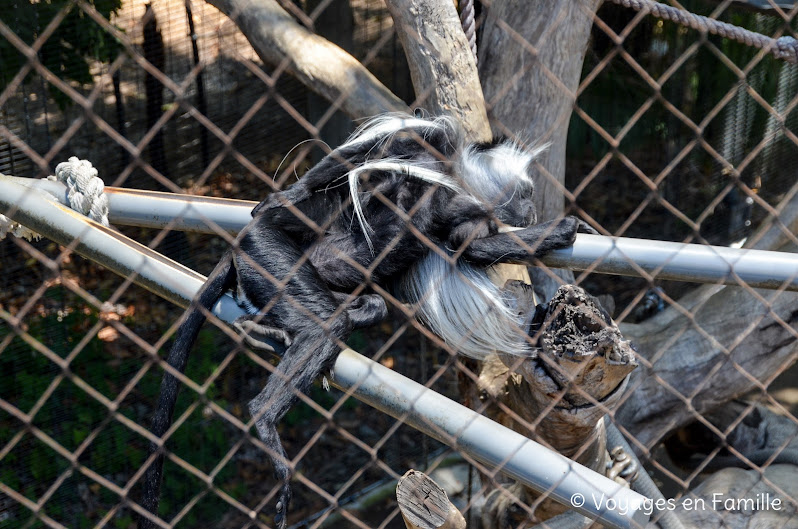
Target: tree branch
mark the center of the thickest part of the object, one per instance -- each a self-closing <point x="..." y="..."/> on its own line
<point x="320" y="65"/>
<point x="442" y="68"/>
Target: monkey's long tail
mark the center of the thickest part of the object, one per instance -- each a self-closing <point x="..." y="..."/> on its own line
<point x="219" y="280"/>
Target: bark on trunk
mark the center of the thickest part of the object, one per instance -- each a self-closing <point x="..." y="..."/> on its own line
<point x="530" y="63"/>
<point x="442" y="67"/>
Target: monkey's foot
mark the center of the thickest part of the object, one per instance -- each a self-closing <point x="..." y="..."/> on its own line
<point x="364" y="310"/>
<point x="584" y="227"/>
<point x="260" y="336"/>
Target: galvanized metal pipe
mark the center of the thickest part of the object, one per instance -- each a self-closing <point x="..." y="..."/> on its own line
<point x="678" y="261"/>
<point x="604" y="255"/>
<point x="118" y="253"/>
<point x="155" y="209"/>
<point x="495" y="445"/>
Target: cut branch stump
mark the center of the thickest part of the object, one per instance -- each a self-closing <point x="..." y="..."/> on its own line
<point x="425" y="505"/>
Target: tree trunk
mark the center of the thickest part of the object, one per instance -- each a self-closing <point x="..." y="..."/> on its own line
<point x="530" y="63"/>
<point x="442" y="66"/>
<point x="335" y="23"/>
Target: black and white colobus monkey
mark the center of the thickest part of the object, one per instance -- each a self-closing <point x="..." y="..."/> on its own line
<point x="382" y="210"/>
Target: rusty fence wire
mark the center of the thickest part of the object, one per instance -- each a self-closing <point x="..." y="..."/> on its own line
<point x="674" y="135"/>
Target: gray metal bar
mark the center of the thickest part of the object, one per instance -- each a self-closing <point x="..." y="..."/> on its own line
<point x="155" y="209"/>
<point x="606" y="255"/>
<point x="126" y="257"/>
<point x="488" y="442"/>
<point x="678" y="261"/>
<point x="532" y="464"/>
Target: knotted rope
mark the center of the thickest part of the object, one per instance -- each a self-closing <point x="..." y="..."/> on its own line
<point x="85" y="193"/>
<point x="85" y="189"/>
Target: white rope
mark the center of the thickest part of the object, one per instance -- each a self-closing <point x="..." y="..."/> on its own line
<point x="85" y="193"/>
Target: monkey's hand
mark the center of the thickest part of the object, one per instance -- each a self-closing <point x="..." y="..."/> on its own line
<point x="562" y="233"/>
<point x="260" y="336"/>
<point x="364" y="310"/>
<point x="523" y="246"/>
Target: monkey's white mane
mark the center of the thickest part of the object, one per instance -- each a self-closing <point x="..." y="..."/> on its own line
<point x="461" y="303"/>
<point x="384" y="128"/>
<point x="457" y="302"/>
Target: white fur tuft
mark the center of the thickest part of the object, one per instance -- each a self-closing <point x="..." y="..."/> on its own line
<point x="387" y="125"/>
<point x="493" y="175"/>
<point x="463" y="306"/>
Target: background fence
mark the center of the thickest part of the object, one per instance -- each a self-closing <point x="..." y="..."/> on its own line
<point x="675" y="135"/>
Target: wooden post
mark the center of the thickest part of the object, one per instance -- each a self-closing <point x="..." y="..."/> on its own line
<point x="424" y="504"/>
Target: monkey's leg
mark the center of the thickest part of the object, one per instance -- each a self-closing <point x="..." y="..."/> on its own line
<point x="312" y="352"/>
<point x="524" y="245"/>
<point x="273" y="274"/>
<point x="305" y="359"/>
<point x="364" y="311"/>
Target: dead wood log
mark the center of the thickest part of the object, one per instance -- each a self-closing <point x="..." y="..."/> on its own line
<point x="742" y="499"/>
<point x="425" y="505"/>
<point x="320" y="65"/>
<point x="718" y="344"/>
<point x="750" y="435"/>
<point x="559" y="396"/>
<point x="700" y="360"/>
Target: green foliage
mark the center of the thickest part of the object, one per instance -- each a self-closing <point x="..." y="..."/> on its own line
<point x="695" y="87"/>
<point x="67" y="53"/>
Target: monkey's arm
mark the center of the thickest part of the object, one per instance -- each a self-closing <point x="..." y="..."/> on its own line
<point x="524" y="245"/>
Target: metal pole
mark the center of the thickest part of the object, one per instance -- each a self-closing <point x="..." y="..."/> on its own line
<point x="531" y="463"/>
<point x="678" y="261"/>
<point x="600" y="254"/>
<point x="118" y="253"/>
<point x="156" y="209"/>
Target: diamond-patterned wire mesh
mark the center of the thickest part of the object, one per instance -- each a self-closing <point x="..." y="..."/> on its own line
<point x="674" y="135"/>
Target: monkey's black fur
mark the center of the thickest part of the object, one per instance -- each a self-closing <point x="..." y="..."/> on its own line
<point x="298" y="267"/>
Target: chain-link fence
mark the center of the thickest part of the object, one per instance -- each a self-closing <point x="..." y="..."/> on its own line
<point x="654" y="131"/>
